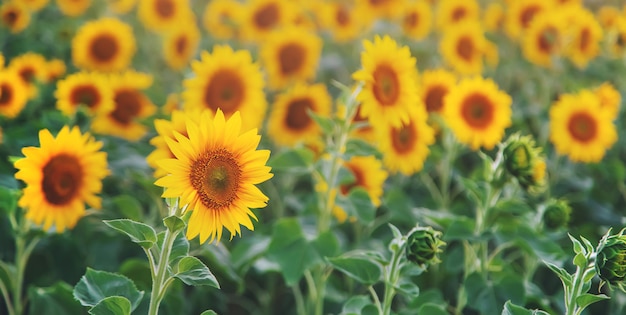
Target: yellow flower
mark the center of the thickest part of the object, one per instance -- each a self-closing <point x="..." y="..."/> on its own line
<point x="289" y="122"/>
<point x="15" y="15"/>
<point x="61" y="175"/>
<point x="368" y="174"/>
<point x="180" y="45"/>
<point x="521" y="13"/>
<point x="31" y="68"/>
<point x="130" y="105"/>
<point x="580" y="128"/>
<point x="389" y="74"/>
<point x="162" y="15"/>
<point x="91" y="90"/>
<point x="290" y="55"/>
<point x="543" y="41"/>
<point x="417" y="20"/>
<point x="452" y="13"/>
<point x="587" y="36"/>
<point x="610" y="98"/>
<point x="121" y="6"/>
<point x="607" y="16"/>
<point x="616" y="38"/>
<point x="405" y="148"/>
<point x="435" y="85"/>
<point x="478" y="112"/>
<point x="13" y="93"/>
<point x="227" y="80"/>
<point x="342" y="20"/>
<point x="105" y="45"/>
<point x="464" y="48"/>
<point x="221" y="18"/>
<point x="34" y="5"/>
<point x="493" y="17"/>
<point x="73" y="7"/>
<point x="214" y="173"/>
<point x="56" y="69"/>
<point x="261" y="17"/>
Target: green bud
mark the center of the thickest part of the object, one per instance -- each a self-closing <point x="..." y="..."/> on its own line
<point x="523" y="160"/>
<point x="423" y="246"/>
<point x="556" y="214"/>
<point x="611" y="259"/>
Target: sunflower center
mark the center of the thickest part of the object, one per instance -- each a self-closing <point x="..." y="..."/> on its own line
<point x="411" y="19"/>
<point x="291" y="57"/>
<point x="359" y="180"/>
<point x="6" y="94"/>
<point x="458" y="14"/>
<point x="86" y="95"/>
<point x="267" y="16"/>
<point x="621" y="40"/>
<point x="582" y="127"/>
<point x="547" y="39"/>
<point x="27" y="74"/>
<point x="378" y="2"/>
<point x="465" y="48"/>
<point x="225" y="90"/>
<point x="104" y="47"/>
<point x="342" y="16"/>
<point x="10" y="17"/>
<point x="127" y="106"/>
<point x="164" y="8"/>
<point x="216" y="177"/>
<point x="181" y="45"/>
<point x="585" y="39"/>
<point x="297" y="116"/>
<point x="434" y="98"/>
<point x="403" y="139"/>
<point x="477" y="111"/>
<point x="386" y="85"/>
<point x="527" y="15"/>
<point x="62" y="178"/>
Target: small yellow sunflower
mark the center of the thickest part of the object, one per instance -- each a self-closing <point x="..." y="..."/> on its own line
<point x="13" y="93"/>
<point x="610" y="98"/>
<point x="580" y="128"/>
<point x="56" y="69"/>
<point x="478" y="112"/>
<point x="34" y="5"/>
<point x="261" y="17"/>
<point x="130" y="106"/>
<point x="417" y="20"/>
<point x="389" y="73"/>
<point x="31" y="67"/>
<point x="91" y="90"/>
<point x="73" y="7"/>
<point x="521" y="13"/>
<point x="435" y="85"/>
<point x="221" y="18"/>
<point x="452" y="13"/>
<point x="290" y="55"/>
<point x="375" y="9"/>
<point x="121" y="6"/>
<point x="368" y="174"/>
<point x="227" y="80"/>
<point x="289" y="122"/>
<point x="544" y="39"/>
<point x="15" y="15"/>
<point x="214" y="173"/>
<point x="405" y="148"/>
<point x="342" y="20"/>
<point x="180" y="45"/>
<point x="162" y="15"/>
<point x="587" y="36"/>
<point x="107" y="45"/>
<point x="493" y="17"/>
<point x="61" y="175"/>
<point x="464" y="48"/>
<point x="607" y="16"/>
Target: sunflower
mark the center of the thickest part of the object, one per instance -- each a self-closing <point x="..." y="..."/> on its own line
<point x="451" y="13"/>
<point x="289" y="122"/>
<point x="56" y="69"/>
<point x="610" y="98"/>
<point x="73" y="7"/>
<point x="34" y="5"/>
<point x="290" y="55"/>
<point x="616" y="38"/>
<point x="91" y="90"/>
<point x="374" y="9"/>
<point x="31" y="67"/>
<point x="478" y="112"/>
<point x="389" y="73"/>
<point x="580" y="128"/>
<point x="493" y="17"/>
<point x="417" y="20"/>
<point x="61" y="176"/>
<point x="464" y="48"/>
<point x="180" y="45"/>
<point x="13" y="93"/>
<point x="228" y="80"/>
<point x="365" y="131"/>
<point x="221" y="18"/>
<point x="130" y="105"/>
<point x="162" y="15"/>
<point x="261" y="17"/>
<point x="106" y="45"/>
<point x="214" y="173"/>
<point x="607" y="16"/>
<point x="15" y="15"/>
<point x="121" y="6"/>
<point x="435" y="85"/>
<point x="587" y="36"/>
<point x="405" y="148"/>
<point x="342" y="20"/>
<point x="369" y="174"/>
<point x="521" y="13"/>
<point x="544" y="38"/>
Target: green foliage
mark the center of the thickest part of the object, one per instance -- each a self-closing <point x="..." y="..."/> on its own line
<point x="293" y="253"/>
<point x="358" y="268"/>
<point x="192" y="271"/>
<point x="140" y="233"/>
<point x="95" y="286"/>
<point x="112" y="305"/>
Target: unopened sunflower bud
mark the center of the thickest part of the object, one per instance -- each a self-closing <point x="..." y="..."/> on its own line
<point x="611" y="260"/>
<point x="423" y="246"/>
<point x="523" y="160"/>
<point x="556" y="214"/>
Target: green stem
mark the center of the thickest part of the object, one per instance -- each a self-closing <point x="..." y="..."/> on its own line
<point x="391" y="281"/>
<point x="297" y="293"/>
<point x="23" y="249"/>
<point x="379" y="306"/>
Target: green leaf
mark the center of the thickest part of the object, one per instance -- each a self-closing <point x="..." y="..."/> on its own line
<point x="247" y="250"/>
<point x="588" y="244"/>
<point x="128" y="206"/>
<point x="326" y="123"/>
<point x="565" y="277"/>
<point x="409" y="289"/>
<point x="294" y="160"/>
<point x="432" y="309"/>
<point x="8" y="200"/>
<point x="462" y="228"/>
<point x="512" y="206"/>
<point x="137" y="270"/>
<point x="358" y="147"/>
<point x="363" y="205"/>
<point x="357" y="268"/>
<point x="174" y="223"/>
<point x="53" y="300"/>
<point x="355" y="305"/>
<point x="6" y="274"/>
<point x="578" y="247"/>
<point x="395" y="231"/>
<point x="512" y="309"/>
<point x="326" y="244"/>
<point x="209" y="312"/>
<point x="112" y="305"/>
<point x="180" y="248"/>
<point x="587" y="299"/>
<point x="481" y="294"/>
<point x="192" y="271"/>
<point x="580" y="260"/>
<point x="97" y="285"/>
<point x="291" y="250"/>
<point x="140" y="233"/>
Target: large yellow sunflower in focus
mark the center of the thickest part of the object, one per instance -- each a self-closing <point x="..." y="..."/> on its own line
<point x="15" y="16"/>
<point x="107" y="44"/>
<point x="290" y="55"/>
<point x="478" y="112"/>
<point x="289" y="121"/>
<point x="368" y="174"/>
<point x="389" y="74"/>
<point x="464" y="48"/>
<point x="91" y="90"/>
<point x="417" y="20"/>
<point x="580" y="128"/>
<point x="61" y="175"/>
<point x="435" y="85"/>
<point x="162" y="15"/>
<point x="587" y="36"/>
<point x="180" y="45"/>
<point x="13" y="94"/>
<point x="221" y="18"/>
<point x="31" y="68"/>
<point x="73" y="7"/>
<point x="214" y="173"/>
<point x="227" y="80"/>
<point x="451" y="13"/>
<point x="261" y="17"/>
<point x="544" y="39"/>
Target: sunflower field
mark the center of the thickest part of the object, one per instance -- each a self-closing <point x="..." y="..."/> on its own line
<point x="312" y="157"/>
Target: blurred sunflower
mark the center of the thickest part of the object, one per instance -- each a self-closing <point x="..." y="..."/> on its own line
<point x="405" y="148"/>
<point x="580" y="128"/>
<point x="227" y="80"/>
<point x="121" y="6"/>
<point x="88" y="89"/>
<point x="221" y="18"/>
<point x="73" y="7"/>
<point x="31" y="68"/>
<point x="365" y="131"/>
<point x="452" y="13"/>
<point x="493" y="17"/>
<point x="607" y="16"/>
<point x="130" y="105"/>
<point x="180" y="45"/>
<point x="34" y="5"/>
<point x="261" y="17"/>
<point x="616" y="38"/>
<point x="544" y="39"/>
<point x="106" y="44"/>
<point x="610" y="98"/>
<point x="162" y="15"/>
<point x="289" y="122"/>
<point x="13" y="93"/>
<point x="521" y="13"/>
<point x="290" y="55"/>
<point x="587" y="36"/>
<point x="215" y="172"/>
<point x="435" y="85"/>
<point x="15" y="15"/>
<point x="342" y="20"/>
<point x="417" y="20"/>
<point x="389" y="73"/>
<point x="464" y="48"/>
<point x="368" y="174"/>
<point x="61" y="175"/>
<point x="56" y="69"/>
<point x="478" y="112"/>
<point x="172" y="103"/>
<point x="374" y="9"/>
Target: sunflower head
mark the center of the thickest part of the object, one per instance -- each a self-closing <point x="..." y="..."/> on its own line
<point x="610" y="98"/>
<point x="13" y="93"/>
<point x="221" y="18"/>
<point x="423" y="246"/>
<point x="556" y="214"/>
<point x="524" y="161"/>
<point x="611" y="260"/>
<point x="106" y="44"/>
<point x="15" y="15"/>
